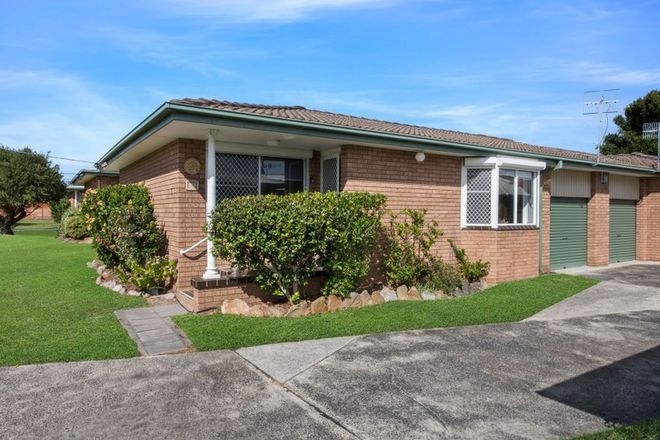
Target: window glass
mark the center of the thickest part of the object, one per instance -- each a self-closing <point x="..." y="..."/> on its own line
<point x="525" y="205"/>
<point x="506" y="196"/>
<point x="281" y="176"/>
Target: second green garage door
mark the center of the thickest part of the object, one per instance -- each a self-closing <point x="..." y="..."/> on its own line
<point x="623" y="231"/>
<point x="568" y="233"/>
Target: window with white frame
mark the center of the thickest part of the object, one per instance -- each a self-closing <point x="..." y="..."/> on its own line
<point x="242" y="174"/>
<point x="500" y="192"/>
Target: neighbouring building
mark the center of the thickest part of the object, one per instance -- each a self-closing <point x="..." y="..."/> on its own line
<point x="525" y="208"/>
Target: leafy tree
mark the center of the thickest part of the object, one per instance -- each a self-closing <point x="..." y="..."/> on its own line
<point x="629" y="137"/>
<point x="27" y="180"/>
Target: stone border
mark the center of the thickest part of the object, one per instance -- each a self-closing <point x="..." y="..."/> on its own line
<point x="108" y="278"/>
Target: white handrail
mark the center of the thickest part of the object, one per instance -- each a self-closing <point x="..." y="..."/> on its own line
<point x="185" y="251"/>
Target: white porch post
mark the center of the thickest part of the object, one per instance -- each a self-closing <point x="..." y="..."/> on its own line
<point x="211" y="269"/>
<point x="75" y="198"/>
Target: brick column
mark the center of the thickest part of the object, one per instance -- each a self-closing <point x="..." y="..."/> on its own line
<point x="546" y="179"/>
<point x="598" y="222"/>
<point x="648" y="219"/>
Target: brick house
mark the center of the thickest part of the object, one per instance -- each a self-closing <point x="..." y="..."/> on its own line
<point x="525" y="208"/>
<point x="94" y="179"/>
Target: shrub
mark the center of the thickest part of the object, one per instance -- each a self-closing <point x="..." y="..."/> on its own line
<point x="408" y="260"/>
<point x="284" y="240"/>
<point x="156" y="272"/>
<point x="442" y="276"/>
<point x="470" y="270"/>
<point x="58" y="208"/>
<point x="72" y="225"/>
<point x="121" y="220"/>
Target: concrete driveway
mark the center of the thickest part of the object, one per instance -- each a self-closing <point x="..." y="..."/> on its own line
<point x="537" y="379"/>
<point x="627" y="287"/>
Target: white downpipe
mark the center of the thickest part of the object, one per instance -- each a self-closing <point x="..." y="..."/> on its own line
<point x="211" y="269"/>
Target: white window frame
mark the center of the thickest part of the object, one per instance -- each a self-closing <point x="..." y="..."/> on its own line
<point x="494" y="163"/>
<point x="331" y="154"/>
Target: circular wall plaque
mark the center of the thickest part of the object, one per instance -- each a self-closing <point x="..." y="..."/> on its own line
<point x="192" y="166"/>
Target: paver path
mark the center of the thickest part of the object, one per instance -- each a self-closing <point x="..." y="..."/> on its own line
<point x="152" y="329"/>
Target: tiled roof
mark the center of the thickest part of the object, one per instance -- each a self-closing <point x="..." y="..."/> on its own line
<point x="302" y="114"/>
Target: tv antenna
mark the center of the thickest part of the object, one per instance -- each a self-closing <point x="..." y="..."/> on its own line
<point x="651" y="130"/>
<point x="601" y="103"/>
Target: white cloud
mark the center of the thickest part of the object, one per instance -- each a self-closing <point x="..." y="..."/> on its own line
<point x="595" y="73"/>
<point x="52" y="111"/>
<point x="261" y="10"/>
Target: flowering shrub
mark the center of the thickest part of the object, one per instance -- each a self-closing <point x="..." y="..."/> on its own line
<point x="121" y="221"/>
<point x="156" y="272"/>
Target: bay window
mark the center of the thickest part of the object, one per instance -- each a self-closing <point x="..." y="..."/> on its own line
<point x="500" y="192"/>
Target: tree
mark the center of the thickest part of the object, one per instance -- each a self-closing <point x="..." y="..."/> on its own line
<point x="27" y="180"/>
<point x="629" y="137"/>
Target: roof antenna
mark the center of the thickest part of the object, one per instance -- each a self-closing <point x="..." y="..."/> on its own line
<point x="601" y="103"/>
<point x="651" y="130"/>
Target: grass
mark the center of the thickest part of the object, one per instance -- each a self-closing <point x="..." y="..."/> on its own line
<point x="648" y="430"/>
<point x="50" y="308"/>
<point x="507" y="302"/>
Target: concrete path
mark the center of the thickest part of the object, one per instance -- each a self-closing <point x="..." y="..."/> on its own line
<point x="627" y="287"/>
<point x="152" y="329"/>
<point x="542" y="379"/>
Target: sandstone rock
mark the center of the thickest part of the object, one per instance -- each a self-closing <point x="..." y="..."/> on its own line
<point x="388" y="294"/>
<point x="353" y="295"/>
<point x="413" y="294"/>
<point x="365" y="299"/>
<point x="334" y="303"/>
<point x="134" y="293"/>
<point x="106" y="275"/>
<point x="108" y="284"/>
<point x="169" y="295"/>
<point x="117" y="288"/>
<point x="276" y="311"/>
<point x="100" y="269"/>
<point x="300" y="309"/>
<point x="402" y="292"/>
<point x="441" y="295"/>
<point x="457" y="292"/>
<point x="347" y="302"/>
<point x="235" y="307"/>
<point x="377" y="298"/>
<point x="260" y="310"/>
<point x="427" y="295"/>
<point x="318" y="306"/>
<point x="99" y="280"/>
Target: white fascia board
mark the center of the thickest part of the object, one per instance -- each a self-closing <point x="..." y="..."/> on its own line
<point x="262" y="150"/>
<point x="472" y="162"/>
<point x="520" y="163"/>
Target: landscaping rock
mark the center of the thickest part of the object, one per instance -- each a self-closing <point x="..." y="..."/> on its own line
<point x="457" y="292"/>
<point x="276" y="311"/>
<point x="108" y="284"/>
<point x="300" y="309"/>
<point x="99" y="280"/>
<point x="235" y="307"/>
<point x="402" y="292"/>
<point x="441" y="295"/>
<point x="388" y="294"/>
<point x="365" y="299"/>
<point x="134" y="293"/>
<point x="353" y="295"/>
<point x="318" y="306"/>
<point x="377" y="298"/>
<point x="260" y="310"/>
<point x="347" y="302"/>
<point x="334" y="303"/>
<point x="413" y="294"/>
<point x="476" y="287"/>
<point x="106" y="275"/>
<point x="427" y="295"/>
<point x="100" y="269"/>
<point x="169" y="295"/>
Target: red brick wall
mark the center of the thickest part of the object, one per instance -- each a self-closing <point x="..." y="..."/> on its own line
<point x="42" y="212"/>
<point x="435" y="185"/>
<point x="598" y="222"/>
<point x="648" y="219"/>
<point x="101" y="181"/>
<point x="180" y="212"/>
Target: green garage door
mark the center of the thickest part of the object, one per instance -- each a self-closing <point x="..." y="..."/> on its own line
<point x="568" y="233"/>
<point x="623" y="230"/>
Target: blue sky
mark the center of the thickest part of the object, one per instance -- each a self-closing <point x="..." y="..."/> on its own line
<point x="77" y="76"/>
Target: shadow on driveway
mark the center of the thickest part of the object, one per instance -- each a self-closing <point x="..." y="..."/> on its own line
<point x="623" y="392"/>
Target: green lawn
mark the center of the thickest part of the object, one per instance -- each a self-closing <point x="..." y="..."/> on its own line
<point x="50" y="308"/>
<point x="506" y="302"/>
<point x="649" y="430"/>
